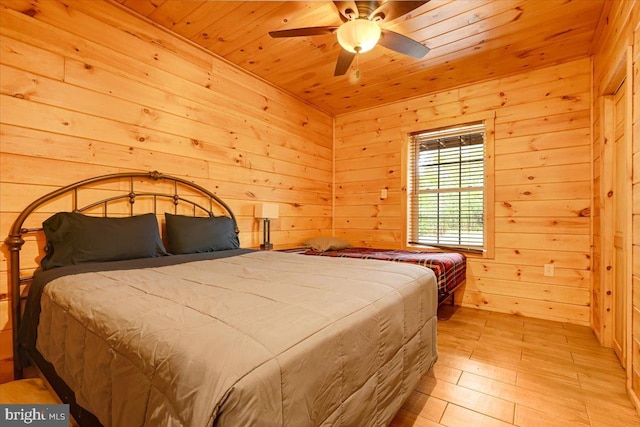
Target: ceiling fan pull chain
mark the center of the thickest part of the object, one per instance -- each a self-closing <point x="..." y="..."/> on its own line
<point x="357" y="48"/>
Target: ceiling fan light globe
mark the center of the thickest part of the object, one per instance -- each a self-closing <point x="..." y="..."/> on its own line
<point x="358" y="35"/>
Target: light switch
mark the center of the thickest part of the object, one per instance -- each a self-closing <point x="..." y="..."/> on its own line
<point x="384" y="193"/>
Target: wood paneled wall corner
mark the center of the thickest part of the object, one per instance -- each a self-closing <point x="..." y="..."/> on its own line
<point x="88" y="89"/>
<point x="594" y="312"/>
<point x="543" y="199"/>
<point x="333" y="176"/>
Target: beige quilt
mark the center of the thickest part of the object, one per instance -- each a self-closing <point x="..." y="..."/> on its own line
<point x="260" y="339"/>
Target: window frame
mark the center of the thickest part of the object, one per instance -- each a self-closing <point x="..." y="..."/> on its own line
<point x="488" y="119"/>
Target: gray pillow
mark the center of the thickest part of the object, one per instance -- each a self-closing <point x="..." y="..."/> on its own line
<point x="322" y="244"/>
<point x="188" y="234"/>
<point x="74" y="238"/>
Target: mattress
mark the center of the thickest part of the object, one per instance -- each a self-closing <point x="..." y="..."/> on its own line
<point x="256" y="338"/>
<point x="449" y="267"/>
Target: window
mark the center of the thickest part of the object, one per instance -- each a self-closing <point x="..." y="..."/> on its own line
<point x="447" y="187"/>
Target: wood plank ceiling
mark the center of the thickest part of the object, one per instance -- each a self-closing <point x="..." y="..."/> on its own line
<point x="470" y="41"/>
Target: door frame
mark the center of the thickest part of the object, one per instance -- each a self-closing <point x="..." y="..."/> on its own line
<point x="623" y="70"/>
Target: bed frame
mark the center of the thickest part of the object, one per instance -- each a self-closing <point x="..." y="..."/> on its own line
<point x="450" y="294"/>
<point x="157" y="193"/>
<point x="184" y="196"/>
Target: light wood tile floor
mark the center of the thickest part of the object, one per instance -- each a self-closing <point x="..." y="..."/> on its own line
<point x="497" y="369"/>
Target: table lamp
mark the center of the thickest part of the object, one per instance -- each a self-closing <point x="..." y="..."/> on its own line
<point x="266" y="211"/>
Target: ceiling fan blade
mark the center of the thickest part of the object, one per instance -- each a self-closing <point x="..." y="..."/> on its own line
<point x="344" y="62"/>
<point x="301" y="32"/>
<point x="403" y="44"/>
<point x="390" y="10"/>
<point x="348" y="10"/>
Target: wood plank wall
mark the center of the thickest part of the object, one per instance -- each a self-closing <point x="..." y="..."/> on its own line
<point x="542" y="192"/>
<point x="619" y="32"/>
<point x="89" y="89"/>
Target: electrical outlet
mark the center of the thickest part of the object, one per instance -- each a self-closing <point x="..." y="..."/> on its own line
<point x="549" y="270"/>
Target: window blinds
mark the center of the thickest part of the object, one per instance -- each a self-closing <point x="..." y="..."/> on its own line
<point x="446" y="195"/>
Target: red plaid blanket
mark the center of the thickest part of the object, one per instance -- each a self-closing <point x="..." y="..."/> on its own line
<point x="450" y="267"/>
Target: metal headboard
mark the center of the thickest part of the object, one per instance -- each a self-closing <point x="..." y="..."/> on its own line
<point x="15" y="240"/>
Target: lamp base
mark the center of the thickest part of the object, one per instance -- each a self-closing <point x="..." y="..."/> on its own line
<point x="267" y="246"/>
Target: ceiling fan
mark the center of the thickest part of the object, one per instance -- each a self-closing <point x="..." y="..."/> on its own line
<point x="361" y="30"/>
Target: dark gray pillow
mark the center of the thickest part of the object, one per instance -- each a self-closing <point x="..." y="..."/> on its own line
<point x="73" y="238"/>
<point x="188" y="234"/>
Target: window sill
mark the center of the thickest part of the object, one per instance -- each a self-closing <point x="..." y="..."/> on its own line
<point x="468" y="254"/>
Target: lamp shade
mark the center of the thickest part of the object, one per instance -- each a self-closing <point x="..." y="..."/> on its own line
<point x="267" y="210"/>
<point x="358" y="35"/>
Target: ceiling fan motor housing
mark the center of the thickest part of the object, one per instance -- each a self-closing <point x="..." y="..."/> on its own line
<point x="359" y="35"/>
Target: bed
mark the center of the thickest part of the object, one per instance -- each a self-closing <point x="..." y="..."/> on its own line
<point x="213" y="334"/>
<point x="449" y="267"/>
